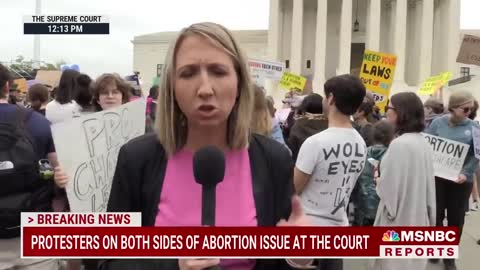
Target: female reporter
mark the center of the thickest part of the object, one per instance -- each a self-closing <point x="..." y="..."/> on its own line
<point x="206" y="99"/>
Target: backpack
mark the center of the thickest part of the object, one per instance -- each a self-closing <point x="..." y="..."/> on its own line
<point x="20" y="181"/>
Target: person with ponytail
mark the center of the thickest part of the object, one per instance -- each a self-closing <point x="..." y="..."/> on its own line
<point x="83" y="94"/>
<point x="38" y="97"/>
<point x="64" y="107"/>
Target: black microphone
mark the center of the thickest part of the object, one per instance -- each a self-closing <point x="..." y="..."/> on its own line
<point x="209" y="170"/>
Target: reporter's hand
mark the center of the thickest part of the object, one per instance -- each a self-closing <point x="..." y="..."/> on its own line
<point x="297" y="217"/>
<point x="196" y="264"/>
<point x="60" y="177"/>
<point x="461" y="179"/>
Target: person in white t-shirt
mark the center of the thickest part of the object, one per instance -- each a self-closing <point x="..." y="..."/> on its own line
<point x="64" y="107"/>
<point x="330" y="162"/>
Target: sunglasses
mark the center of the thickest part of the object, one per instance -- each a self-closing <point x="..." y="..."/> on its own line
<point x="466" y="110"/>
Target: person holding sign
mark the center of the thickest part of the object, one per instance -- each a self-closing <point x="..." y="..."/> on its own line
<point x="406" y="184"/>
<point x="206" y="100"/>
<point x="109" y="91"/>
<point x="453" y="195"/>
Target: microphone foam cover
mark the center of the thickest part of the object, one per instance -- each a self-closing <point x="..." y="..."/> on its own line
<point x="209" y="166"/>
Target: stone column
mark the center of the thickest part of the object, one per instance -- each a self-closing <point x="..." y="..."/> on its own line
<point x="345" y="40"/>
<point x="373" y="31"/>
<point x="320" y="46"/>
<point x="296" y="59"/>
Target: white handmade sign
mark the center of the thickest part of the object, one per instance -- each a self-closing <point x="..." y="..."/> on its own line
<point x="262" y="70"/>
<point x="476" y="141"/>
<point x="87" y="148"/>
<point x="448" y="156"/>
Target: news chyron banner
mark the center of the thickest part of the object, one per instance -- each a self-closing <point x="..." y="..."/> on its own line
<point x="66" y="24"/>
<point x="120" y="235"/>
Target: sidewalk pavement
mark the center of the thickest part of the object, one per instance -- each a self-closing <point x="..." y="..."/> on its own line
<point x="469" y="249"/>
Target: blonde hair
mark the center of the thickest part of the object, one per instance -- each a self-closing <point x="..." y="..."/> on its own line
<point x="170" y="121"/>
<point x="262" y="122"/>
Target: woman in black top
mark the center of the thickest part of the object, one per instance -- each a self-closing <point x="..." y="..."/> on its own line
<point x="206" y="99"/>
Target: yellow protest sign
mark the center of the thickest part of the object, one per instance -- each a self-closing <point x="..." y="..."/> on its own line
<point x="291" y="81"/>
<point x="377" y="73"/>
<point x="432" y="84"/>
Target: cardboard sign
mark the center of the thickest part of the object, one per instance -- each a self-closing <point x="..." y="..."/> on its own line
<point x="476" y="141"/>
<point x="261" y="70"/>
<point x="87" y="149"/>
<point x="432" y="84"/>
<point x="292" y="81"/>
<point x="377" y="73"/>
<point x="22" y="85"/>
<point x="448" y="156"/>
<point x="469" y="50"/>
<point x="282" y="114"/>
<point x="50" y="77"/>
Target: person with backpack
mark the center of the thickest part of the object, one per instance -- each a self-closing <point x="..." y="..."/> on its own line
<point x="27" y="155"/>
<point x="364" y="195"/>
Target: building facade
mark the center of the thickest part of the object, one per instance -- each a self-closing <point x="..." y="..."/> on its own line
<point x="320" y="39"/>
<point x="323" y="38"/>
<point x="149" y="51"/>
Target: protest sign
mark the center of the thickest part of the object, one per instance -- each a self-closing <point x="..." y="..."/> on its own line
<point x="87" y="149"/>
<point x="49" y="77"/>
<point x="133" y="80"/>
<point x="261" y="70"/>
<point x="377" y="75"/>
<point x="448" y="156"/>
<point x="476" y="141"/>
<point x="282" y="114"/>
<point x="469" y="50"/>
<point x="432" y="84"/>
<point x="292" y="81"/>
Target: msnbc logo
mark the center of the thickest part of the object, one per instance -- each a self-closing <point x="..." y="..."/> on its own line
<point x="390" y="236"/>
